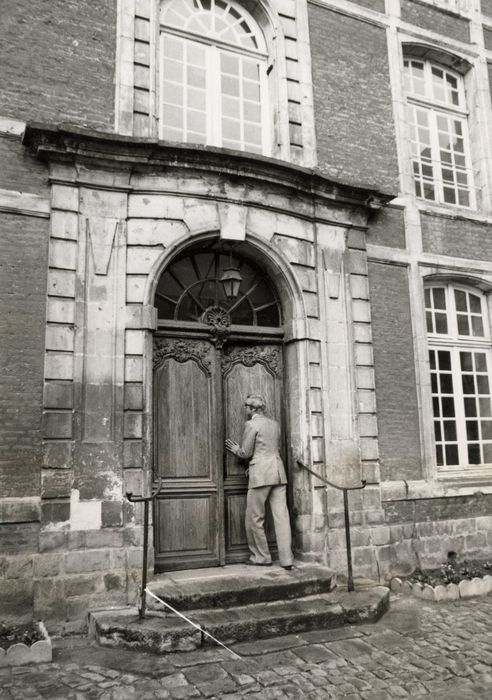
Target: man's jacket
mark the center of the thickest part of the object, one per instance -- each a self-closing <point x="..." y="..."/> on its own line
<point x="261" y="445"/>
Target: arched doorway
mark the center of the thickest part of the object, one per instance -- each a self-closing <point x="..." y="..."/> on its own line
<point x="210" y="352"/>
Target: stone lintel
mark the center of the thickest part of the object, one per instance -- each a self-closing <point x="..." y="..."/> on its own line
<point x="72" y="144"/>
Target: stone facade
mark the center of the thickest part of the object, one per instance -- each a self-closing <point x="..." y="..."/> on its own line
<point x="93" y="207"/>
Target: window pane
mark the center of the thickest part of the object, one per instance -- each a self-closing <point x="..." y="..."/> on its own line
<point x="428" y="318"/>
<point x="230" y="86"/>
<point x="470" y="408"/>
<point x="231" y="107"/>
<point x="475" y="306"/>
<point x="441" y="323"/>
<point x="448" y="407"/>
<point x="439" y="456"/>
<point x="452" y="455"/>
<point x="486" y="426"/>
<point x="446" y="381"/>
<point x="251" y="91"/>
<point x="481" y="362"/>
<point x="437" y="431"/>
<point x="477" y="326"/>
<point x="463" y="325"/>
<point x="485" y="407"/>
<point x="473" y="454"/>
<point x="444" y="359"/>
<point x="466" y="359"/>
<point x="434" y="387"/>
<point x="483" y="384"/>
<point x="450" y="431"/>
<point x="439" y="297"/>
<point x="487" y="454"/>
<point x="468" y="384"/>
<point x="472" y="430"/>
<point x="460" y="299"/>
<point x="449" y="195"/>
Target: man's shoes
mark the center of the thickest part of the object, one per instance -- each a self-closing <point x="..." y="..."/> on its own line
<point x="258" y="563"/>
<point x="287" y="568"/>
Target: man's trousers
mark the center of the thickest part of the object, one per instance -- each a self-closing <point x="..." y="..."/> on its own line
<point x="255" y="524"/>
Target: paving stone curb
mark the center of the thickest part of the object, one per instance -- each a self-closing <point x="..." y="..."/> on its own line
<point x="468" y="588"/>
<point x="20" y="654"/>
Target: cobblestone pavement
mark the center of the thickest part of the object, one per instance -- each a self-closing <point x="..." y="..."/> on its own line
<point x="440" y="650"/>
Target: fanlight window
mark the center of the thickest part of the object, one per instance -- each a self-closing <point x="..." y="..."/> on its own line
<point x="438" y="122"/>
<point x="213" y="68"/>
<point x="191" y="285"/>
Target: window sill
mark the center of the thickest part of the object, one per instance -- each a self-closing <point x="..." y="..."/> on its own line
<point x="453" y="12"/>
<point x="444" y="485"/>
<point x="452" y="212"/>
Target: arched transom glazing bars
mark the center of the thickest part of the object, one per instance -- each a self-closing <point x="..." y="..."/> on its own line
<point x="191" y="286"/>
<point x="213" y="75"/>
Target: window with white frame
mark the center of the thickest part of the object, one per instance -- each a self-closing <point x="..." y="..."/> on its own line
<point x="437" y="118"/>
<point x="213" y="76"/>
<point x="460" y="366"/>
<point x="448" y="4"/>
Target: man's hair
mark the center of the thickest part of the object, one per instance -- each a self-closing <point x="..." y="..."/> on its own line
<point x="256" y="401"/>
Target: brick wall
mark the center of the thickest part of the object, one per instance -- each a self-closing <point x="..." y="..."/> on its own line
<point x="396" y="399"/>
<point x="23" y="261"/>
<point x="456" y="236"/>
<point x="487" y="38"/>
<point x="57" y="59"/>
<point x="487" y="7"/>
<point x="435" y="19"/>
<point x="20" y="169"/>
<point x="387" y="228"/>
<point x="352" y="99"/>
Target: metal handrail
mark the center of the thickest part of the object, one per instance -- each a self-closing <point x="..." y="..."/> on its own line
<point x="145" y="500"/>
<point x="345" y="489"/>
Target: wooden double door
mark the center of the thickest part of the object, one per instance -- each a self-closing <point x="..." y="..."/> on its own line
<point x="199" y="393"/>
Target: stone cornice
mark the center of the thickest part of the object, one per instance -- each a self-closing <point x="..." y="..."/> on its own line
<point x="66" y="144"/>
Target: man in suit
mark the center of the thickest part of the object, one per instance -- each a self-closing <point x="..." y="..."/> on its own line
<point x="267" y="481"/>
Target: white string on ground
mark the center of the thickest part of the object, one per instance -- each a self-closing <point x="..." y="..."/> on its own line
<point x="198" y="627"/>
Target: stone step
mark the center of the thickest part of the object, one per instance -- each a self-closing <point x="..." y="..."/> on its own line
<point x="238" y="585"/>
<point x="160" y="633"/>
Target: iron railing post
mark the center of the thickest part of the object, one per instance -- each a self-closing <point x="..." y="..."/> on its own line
<point x="345" y="490"/>
<point x="145" y="500"/>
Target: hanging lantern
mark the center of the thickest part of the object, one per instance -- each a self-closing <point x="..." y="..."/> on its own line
<point x="231" y="281"/>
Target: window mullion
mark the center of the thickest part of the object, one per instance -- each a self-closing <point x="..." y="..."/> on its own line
<point x="436" y="156"/>
<point x="459" y="407"/>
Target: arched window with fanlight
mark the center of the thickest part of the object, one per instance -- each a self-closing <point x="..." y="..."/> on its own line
<point x="437" y="114"/>
<point x="459" y="341"/>
<point x="193" y="286"/>
<point x="213" y="76"/>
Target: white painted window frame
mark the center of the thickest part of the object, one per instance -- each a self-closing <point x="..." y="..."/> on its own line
<point x="435" y="108"/>
<point x="454" y="342"/>
<point x="214" y="132"/>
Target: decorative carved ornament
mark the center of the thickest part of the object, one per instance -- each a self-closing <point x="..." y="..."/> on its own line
<point x="219" y="321"/>
<point x="270" y="358"/>
<point x="182" y="351"/>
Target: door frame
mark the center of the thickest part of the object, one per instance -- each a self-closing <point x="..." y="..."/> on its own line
<point x="257" y="335"/>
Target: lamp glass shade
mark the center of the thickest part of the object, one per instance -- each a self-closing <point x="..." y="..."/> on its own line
<point x="231" y="281"/>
